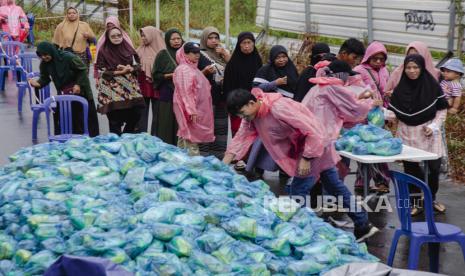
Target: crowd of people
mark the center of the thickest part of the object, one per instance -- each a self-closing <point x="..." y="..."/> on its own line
<point x="280" y="120"/>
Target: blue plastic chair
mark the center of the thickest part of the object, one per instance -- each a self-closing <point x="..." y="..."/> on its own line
<point x="37" y="104"/>
<point x="430" y="232"/>
<point x="63" y="103"/>
<point x="25" y="68"/>
<point x="10" y="50"/>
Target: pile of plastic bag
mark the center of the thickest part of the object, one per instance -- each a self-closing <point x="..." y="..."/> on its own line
<point x="369" y="139"/>
<point x="150" y="208"/>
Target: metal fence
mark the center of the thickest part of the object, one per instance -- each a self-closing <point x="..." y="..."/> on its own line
<point x="394" y="22"/>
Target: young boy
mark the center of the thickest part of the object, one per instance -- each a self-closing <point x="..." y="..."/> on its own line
<point x="351" y="51"/>
<point x="452" y="71"/>
<point x="296" y="141"/>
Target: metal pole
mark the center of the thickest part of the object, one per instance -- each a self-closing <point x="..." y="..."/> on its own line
<point x="266" y="19"/>
<point x="308" y="25"/>
<point x="227" y="6"/>
<point x="186" y="19"/>
<point x="131" y="22"/>
<point x="157" y="14"/>
<point x="451" y="33"/>
<point x="370" y="20"/>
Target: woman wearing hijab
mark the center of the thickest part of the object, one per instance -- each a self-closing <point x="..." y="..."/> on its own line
<point x="112" y="21"/>
<point x="375" y="74"/>
<point x="419" y="105"/>
<point x="212" y="63"/>
<point x="119" y="93"/>
<point x="192" y="101"/>
<point x="162" y="77"/>
<point x="13" y="20"/>
<point x="151" y="43"/>
<point x="69" y="74"/>
<point x="279" y="75"/>
<point x="74" y="35"/>
<point x="241" y="70"/>
<point x="421" y="49"/>
<point x="320" y="51"/>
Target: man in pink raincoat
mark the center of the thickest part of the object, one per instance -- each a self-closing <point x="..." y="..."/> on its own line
<point x="14" y="21"/>
<point x="341" y="98"/>
<point x="192" y="101"/>
<point x="295" y="140"/>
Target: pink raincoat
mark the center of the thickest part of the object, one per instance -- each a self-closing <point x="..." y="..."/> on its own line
<point x="423" y="50"/>
<point x="288" y="131"/>
<point x="378" y="79"/>
<point x="336" y="103"/>
<point x="13" y="19"/>
<point x="192" y="97"/>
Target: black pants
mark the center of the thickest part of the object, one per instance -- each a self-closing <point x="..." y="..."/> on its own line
<point x="142" y="126"/>
<point x="414" y="169"/>
<point x="77" y="116"/>
<point x="124" y="117"/>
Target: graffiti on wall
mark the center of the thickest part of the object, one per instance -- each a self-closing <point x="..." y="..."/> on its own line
<point x="419" y="19"/>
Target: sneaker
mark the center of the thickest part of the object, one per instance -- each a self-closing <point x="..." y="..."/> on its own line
<point x="439" y="207"/>
<point x="240" y="165"/>
<point x="363" y="233"/>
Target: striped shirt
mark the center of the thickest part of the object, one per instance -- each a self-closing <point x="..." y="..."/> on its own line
<point x="451" y="89"/>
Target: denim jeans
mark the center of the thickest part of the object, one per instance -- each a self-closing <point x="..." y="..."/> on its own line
<point x="333" y="186"/>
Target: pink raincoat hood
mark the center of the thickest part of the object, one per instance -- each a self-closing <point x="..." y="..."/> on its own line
<point x="375" y="79"/>
<point x="374" y="48"/>
<point x="192" y="96"/>
<point x="423" y="50"/>
<point x="337" y="104"/>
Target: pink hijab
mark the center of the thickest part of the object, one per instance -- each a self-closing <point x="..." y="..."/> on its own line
<point x="147" y="53"/>
<point x="378" y="79"/>
<point x="114" y="20"/>
<point x="422" y="49"/>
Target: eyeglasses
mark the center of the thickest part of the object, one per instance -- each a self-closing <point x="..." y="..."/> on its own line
<point x="381" y="59"/>
<point x="116" y="36"/>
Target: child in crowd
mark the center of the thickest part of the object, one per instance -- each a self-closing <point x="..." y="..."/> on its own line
<point x="452" y="71"/>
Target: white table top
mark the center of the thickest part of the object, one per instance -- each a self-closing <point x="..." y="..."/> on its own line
<point x="407" y="154"/>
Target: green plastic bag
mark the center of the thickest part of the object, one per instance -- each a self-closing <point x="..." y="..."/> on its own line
<point x="304" y="267"/>
<point x="241" y="227"/>
<point x="213" y="239"/>
<point x="22" y="256"/>
<point x="199" y="260"/>
<point x="39" y="262"/>
<point x="116" y="255"/>
<point x="279" y="246"/>
<point x="139" y="240"/>
<point x="165" y="232"/>
<point x="180" y="246"/>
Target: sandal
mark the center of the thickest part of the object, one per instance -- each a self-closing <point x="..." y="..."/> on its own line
<point x="439" y="207"/>
<point x="415" y="211"/>
<point x="382" y="189"/>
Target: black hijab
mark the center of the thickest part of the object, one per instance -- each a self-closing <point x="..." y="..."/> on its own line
<point x="303" y="85"/>
<point x="270" y="72"/>
<point x="241" y="68"/>
<point x="111" y="55"/>
<point x="416" y="102"/>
